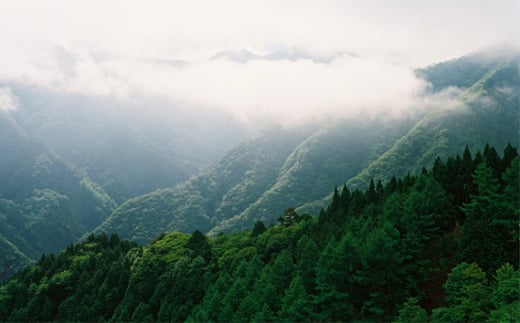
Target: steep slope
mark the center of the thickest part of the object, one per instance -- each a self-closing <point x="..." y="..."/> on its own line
<point x="44" y="202"/>
<point x="488" y="113"/>
<point x="320" y="162"/>
<point x="228" y="187"/>
<point x="69" y="159"/>
<point x="258" y="180"/>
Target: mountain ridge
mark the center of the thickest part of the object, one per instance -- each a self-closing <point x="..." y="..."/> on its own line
<point x="487" y="116"/>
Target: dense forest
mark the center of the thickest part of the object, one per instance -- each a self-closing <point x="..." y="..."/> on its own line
<point x="441" y="245"/>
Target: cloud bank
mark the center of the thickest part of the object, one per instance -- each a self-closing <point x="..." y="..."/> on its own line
<point x="290" y="61"/>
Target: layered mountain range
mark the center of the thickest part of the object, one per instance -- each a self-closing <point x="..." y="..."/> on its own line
<point x="74" y="164"/>
<point x="281" y="168"/>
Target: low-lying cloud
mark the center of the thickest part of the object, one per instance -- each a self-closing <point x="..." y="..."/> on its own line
<point x="290" y="91"/>
<point x="352" y="57"/>
<point x="8" y="100"/>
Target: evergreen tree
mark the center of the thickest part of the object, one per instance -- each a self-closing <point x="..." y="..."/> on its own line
<point x="483" y="238"/>
<point x="307" y="254"/>
<point x="264" y="315"/>
<point x="258" y="229"/>
<point x="295" y="303"/>
<point x="199" y="246"/>
<point x="381" y="275"/>
<point x="334" y="279"/>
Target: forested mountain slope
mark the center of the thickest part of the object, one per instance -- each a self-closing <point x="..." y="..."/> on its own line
<point x="229" y="186"/>
<point x="352" y="151"/>
<point x="489" y="113"/>
<point x="67" y="160"/>
<point x="128" y="146"/>
<point x="257" y="180"/>
<point x="441" y="246"/>
<point x="45" y="203"/>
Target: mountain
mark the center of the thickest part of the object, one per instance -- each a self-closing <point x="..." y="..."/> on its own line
<point x="489" y="113"/>
<point x="68" y="160"/>
<point x="405" y="252"/>
<point x="352" y="151"/>
<point x="240" y="56"/>
<point x="129" y="146"/>
<point x="45" y="203"/>
<point x="289" y="54"/>
<point x="239" y="179"/>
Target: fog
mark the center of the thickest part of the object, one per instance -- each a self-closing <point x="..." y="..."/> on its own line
<point x="288" y="62"/>
<point x="8" y="101"/>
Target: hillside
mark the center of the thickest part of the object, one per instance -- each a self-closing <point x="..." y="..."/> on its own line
<point x="128" y="146"/>
<point x="69" y="159"/>
<point x="239" y="179"/>
<point x="397" y="252"/>
<point x="44" y="202"/>
<point x="352" y="151"/>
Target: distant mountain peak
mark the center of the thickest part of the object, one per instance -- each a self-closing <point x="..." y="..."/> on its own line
<point x="292" y="54"/>
<point x="240" y="56"/>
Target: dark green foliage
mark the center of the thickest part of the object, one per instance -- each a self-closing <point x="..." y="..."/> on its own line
<point x="391" y="254"/>
<point x="82" y="283"/>
<point x="490" y="233"/>
<point x="296" y="305"/>
<point x="258" y="229"/>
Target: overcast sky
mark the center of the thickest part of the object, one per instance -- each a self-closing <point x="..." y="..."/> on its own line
<point x="358" y="55"/>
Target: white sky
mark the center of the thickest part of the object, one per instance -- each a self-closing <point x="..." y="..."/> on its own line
<point x="104" y="47"/>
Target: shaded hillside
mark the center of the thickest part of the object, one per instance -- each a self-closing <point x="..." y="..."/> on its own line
<point x="321" y="161"/>
<point x="128" y="146"/>
<point x="67" y="161"/>
<point x="44" y="202"/>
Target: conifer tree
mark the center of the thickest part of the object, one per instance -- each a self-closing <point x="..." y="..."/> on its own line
<point x="295" y="303"/>
<point x="482" y="241"/>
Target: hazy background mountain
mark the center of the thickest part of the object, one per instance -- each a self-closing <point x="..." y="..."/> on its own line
<point x="68" y="160"/>
<point x="127" y="146"/>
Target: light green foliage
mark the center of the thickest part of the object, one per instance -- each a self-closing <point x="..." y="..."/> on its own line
<point x="412" y="312"/>
<point x="467" y="293"/>
<point x="506" y="297"/>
